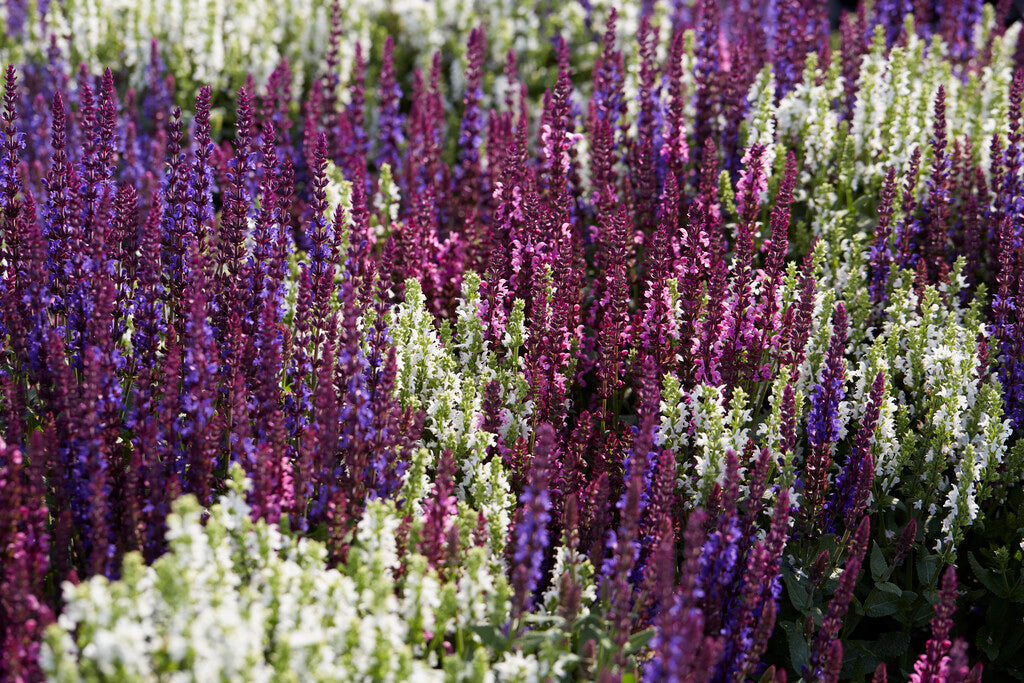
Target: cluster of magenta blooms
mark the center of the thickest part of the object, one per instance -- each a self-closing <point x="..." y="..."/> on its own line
<point x="120" y="221"/>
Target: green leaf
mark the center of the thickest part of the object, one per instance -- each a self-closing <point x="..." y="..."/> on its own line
<point x="865" y="205"/>
<point x="799" y="652"/>
<point x="890" y="646"/>
<point x="928" y="569"/>
<point x="798" y="595"/>
<point x="986" y="577"/>
<point x="639" y="641"/>
<point x="883" y="601"/>
<point x="491" y="637"/>
<point x="532" y="640"/>
<point x="878" y="563"/>
<point x="590" y="627"/>
<point x="987" y="643"/>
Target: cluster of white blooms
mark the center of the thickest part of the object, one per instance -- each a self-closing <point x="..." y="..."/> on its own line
<point x="674" y="431"/>
<point x="516" y="667"/>
<point x="526" y="27"/>
<point x="214" y="43"/>
<point x="893" y="114"/>
<point x="896" y="92"/>
<point x="235" y="599"/>
<point x="448" y="379"/>
<point x="386" y="201"/>
<point x="220" y="42"/>
<point x="700" y="416"/>
<point x="940" y="438"/>
<point x="581" y="571"/>
<point x="807" y="114"/>
<point x="430" y="377"/>
<point x="942" y="435"/>
<point x="763" y="111"/>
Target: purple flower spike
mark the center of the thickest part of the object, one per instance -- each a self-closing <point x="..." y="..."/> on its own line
<point x="853" y="485"/>
<point x="823" y="419"/>
<point x="24" y="549"/>
<point x="390" y="120"/>
<point x="881" y="252"/>
<point x="530" y="535"/>
<point x="822" y="664"/>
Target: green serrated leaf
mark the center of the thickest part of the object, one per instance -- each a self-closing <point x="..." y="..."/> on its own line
<point x="799" y="652"/>
<point x="890" y="646"/>
<point x="491" y="637"/>
<point x="532" y="640"/>
<point x="639" y="641"/>
<point x="798" y="595"/>
<point x="928" y="569"/>
<point x="878" y="563"/>
<point x="883" y="600"/>
<point x="987" y="643"/>
<point x="986" y="577"/>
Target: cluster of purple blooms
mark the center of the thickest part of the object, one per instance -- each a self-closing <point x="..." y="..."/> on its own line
<point x="175" y="299"/>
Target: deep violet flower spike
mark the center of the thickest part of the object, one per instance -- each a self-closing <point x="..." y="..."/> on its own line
<point x="608" y="77"/>
<point x="910" y="225"/>
<point x="439" y="511"/>
<point x="823" y="419"/>
<point x="798" y="327"/>
<point x="394" y="430"/>
<point x="1006" y="308"/>
<point x="230" y="249"/>
<point x="642" y="172"/>
<point x="558" y="138"/>
<point x="199" y="203"/>
<point x="174" y="226"/>
<point x="853" y="485"/>
<point x="62" y="218"/>
<point x="768" y="318"/>
<point x="322" y="238"/>
<point x="25" y="541"/>
<point x="625" y="547"/>
<point x="13" y="143"/>
<point x="467" y="174"/>
<point x="881" y="251"/>
<point x="360" y="473"/>
<point x="707" y="70"/>
<point x="956" y="19"/>
<point x="679" y="636"/>
<point x="674" y="152"/>
<point x="534" y="515"/>
<point x="938" y="199"/>
<point x="828" y="634"/>
<point x="890" y="14"/>
<point x="390" y="120"/>
<point x="356" y="150"/>
<point x="197" y="428"/>
<point x="1007" y="187"/>
<point x="614" y="301"/>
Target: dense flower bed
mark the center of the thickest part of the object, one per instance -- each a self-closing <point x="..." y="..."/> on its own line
<point x="486" y="341"/>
